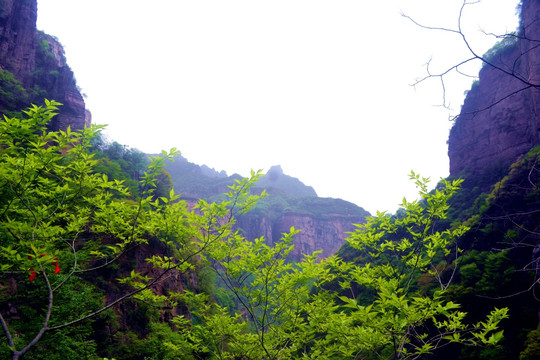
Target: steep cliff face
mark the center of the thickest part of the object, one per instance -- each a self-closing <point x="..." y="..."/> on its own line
<point x="17" y="38"/>
<point x="500" y="118"/>
<point x="33" y="67"/>
<point x="324" y="222"/>
<point x="494" y="145"/>
<point x="318" y="233"/>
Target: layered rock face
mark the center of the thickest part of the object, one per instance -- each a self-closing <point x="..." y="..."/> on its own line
<point x="33" y="67"/>
<point x="323" y="222"/>
<point x="500" y="118"/>
<point x="325" y="234"/>
<point x="17" y="38"/>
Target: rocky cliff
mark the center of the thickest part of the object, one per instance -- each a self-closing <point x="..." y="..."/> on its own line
<point x="500" y="118"/>
<point x="324" y="222"/>
<point x="33" y="67"/>
<point x="494" y="145"/>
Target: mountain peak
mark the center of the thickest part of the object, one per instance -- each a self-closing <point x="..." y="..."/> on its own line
<point x="276" y="179"/>
<point x="274" y="172"/>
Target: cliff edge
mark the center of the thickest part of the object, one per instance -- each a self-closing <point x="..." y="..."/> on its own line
<point x="500" y="118"/>
<point x="33" y="67"/>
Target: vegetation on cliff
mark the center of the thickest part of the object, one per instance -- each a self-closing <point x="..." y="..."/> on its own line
<point x="33" y="67"/>
<point x="100" y="258"/>
<point x="15" y="96"/>
<point x="69" y="256"/>
<point x="500" y="263"/>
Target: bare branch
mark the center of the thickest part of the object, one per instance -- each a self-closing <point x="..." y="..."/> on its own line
<point x="511" y="71"/>
<point x="475" y="112"/>
<point x="6" y="332"/>
<point x="39" y="335"/>
<point x="428" y="27"/>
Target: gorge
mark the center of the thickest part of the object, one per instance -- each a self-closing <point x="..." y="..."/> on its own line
<point x="163" y="270"/>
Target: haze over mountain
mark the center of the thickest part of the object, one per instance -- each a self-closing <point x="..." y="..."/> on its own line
<point x="494" y="146"/>
<point x="236" y="92"/>
<point x="324" y="222"/>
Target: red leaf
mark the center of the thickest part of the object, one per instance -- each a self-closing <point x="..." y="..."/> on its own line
<point x="57" y="270"/>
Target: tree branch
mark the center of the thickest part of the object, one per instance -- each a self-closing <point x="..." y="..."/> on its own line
<point x="39" y="335"/>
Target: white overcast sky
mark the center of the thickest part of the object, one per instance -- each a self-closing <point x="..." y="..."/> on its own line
<point x="321" y="88"/>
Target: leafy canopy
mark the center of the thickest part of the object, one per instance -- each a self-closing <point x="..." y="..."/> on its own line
<point x="60" y="219"/>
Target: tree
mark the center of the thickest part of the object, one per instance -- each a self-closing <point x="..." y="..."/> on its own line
<point x="368" y="309"/>
<point x="512" y="64"/>
<point x="60" y="220"/>
<point x="521" y="44"/>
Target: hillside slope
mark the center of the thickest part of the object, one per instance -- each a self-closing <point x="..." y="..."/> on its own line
<point x="324" y="222"/>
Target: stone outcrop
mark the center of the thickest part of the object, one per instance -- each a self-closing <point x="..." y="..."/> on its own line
<point x="323" y="222"/>
<point x="33" y="67"/>
<point x="18" y="38"/>
<point x="500" y="118"/>
<point x="318" y="233"/>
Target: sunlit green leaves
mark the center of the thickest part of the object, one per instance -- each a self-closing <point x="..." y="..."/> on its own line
<point x="55" y="208"/>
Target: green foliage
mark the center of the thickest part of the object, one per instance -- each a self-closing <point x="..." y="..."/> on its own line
<point x="61" y="219"/>
<point x="49" y="198"/>
<point x="496" y="267"/>
<point x="289" y="311"/>
<point x="12" y="94"/>
<point x="162" y="343"/>
<point x="75" y="343"/>
<point x="532" y="346"/>
<point x="114" y="171"/>
<point x="119" y="162"/>
<point x="508" y="43"/>
<point x="45" y="73"/>
<point x="486" y="271"/>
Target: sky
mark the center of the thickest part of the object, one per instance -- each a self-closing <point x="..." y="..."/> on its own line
<point x="320" y="87"/>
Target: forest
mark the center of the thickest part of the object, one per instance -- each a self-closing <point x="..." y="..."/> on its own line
<point x="114" y="265"/>
<point x="102" y="256"/>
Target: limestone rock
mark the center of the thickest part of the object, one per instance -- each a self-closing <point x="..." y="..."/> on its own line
<point x="500" y="118"/>
<point x="324" y="232"/>
<point x="38" y="66"/>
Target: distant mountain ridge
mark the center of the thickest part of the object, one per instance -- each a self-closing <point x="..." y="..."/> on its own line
<point x="275" y="178"/>
<point x="324" y="222"/>
<point x="200" y="181"/>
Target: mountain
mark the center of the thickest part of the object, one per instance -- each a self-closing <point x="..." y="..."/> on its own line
<point x="276" y="179"/>
<point x="494" y="146"/>
<point x="33" y="67"/>
<point x="324" y="222"/>
<point x="500" y="118"/>
<point x="194" y="182"/>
